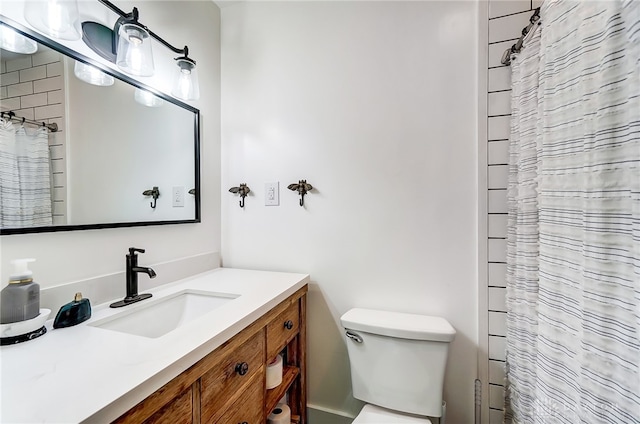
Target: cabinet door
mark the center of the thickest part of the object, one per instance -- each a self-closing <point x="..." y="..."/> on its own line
<point x="248" y="408"/>
<point x="236" y="368"/>
<point x="282" y="329"/>
<point x="178" y="411"/>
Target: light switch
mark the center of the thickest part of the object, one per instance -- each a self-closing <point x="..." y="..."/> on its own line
<point x="177" y="196"/>
<point x="271" y="194"/>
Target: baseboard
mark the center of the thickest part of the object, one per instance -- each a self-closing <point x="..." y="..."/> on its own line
<point x="321" y="415"/>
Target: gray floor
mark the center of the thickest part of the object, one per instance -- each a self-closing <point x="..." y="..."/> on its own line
<point x="320" y="417"/>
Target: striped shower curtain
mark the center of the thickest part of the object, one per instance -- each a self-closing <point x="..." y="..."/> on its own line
<point x="573" y="260"/>
<point x="25" y="181"/>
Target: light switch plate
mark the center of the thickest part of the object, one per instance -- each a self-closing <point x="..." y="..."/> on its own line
<point x="272" y="194"/>
<point x="177" y="196"/>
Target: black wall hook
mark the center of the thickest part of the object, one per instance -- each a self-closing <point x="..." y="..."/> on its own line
<point x="243" y="190"/>
<point x="302" y="188"/>
<point x="153" y="192"/>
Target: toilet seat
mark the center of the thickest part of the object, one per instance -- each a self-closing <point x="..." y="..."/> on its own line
<point x="372" y="414"/>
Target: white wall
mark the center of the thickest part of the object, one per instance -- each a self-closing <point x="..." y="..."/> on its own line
<point x="68" y="256"/>
<point x="375" y="104"/>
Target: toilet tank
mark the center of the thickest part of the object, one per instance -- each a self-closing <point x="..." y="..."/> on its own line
<point x="398" y="360"/>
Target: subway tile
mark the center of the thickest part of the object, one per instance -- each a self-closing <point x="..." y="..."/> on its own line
<point x="498" y="324"/>
<point x="500" y="79"/>
<point x="49" y="111"/>
<point x="497" y="250"/>
<point x="536" y="3"/>
<point x="498" y="152"/>
<point x="19" y="63"/>
<point x="25" y="113"/>
<point x="496" y="416"/>
<point x="508" y="27"/>
<point x="34" y="100"/>
<point x="54" y="69"/>
<point x="497" y="225"/>
<point x="496" y="51"/>
<point x="10" y="78"/>
<point x="498" y="176"/>
<point x="499" y="103"/>
<point x="498" y="275"/>
<point x="57" y="151"/>
<point x="496" y="396"/>
<point x="55" y="97"/>
<point x="59" y="220"/>
<point x="499" y="128"/>
<point x="496" y="372"/>
<point x="497" y="201"/>
<point x="48" y="84"/>
<point x="58" y="165"/>
<point x="31" y="74"/>
<point x="46" y="56"/>
<point x="507" y="7"/>
<point x="3" y="67"/>
<point x="59" y="207"/>
<point x="12" y="103"/>
<point x="21" y="89"/>
<point x="59" y="193"/>
<point x="497" y="299"/>
<point x="3" y="93"/>
<point x="497" y="346"/>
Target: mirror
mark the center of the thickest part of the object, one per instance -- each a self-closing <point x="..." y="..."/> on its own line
<point x="113" y="162"/>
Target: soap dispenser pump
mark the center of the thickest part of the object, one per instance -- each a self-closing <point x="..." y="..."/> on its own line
<point x="20" y="300"/>
<point x="73" y="312"/>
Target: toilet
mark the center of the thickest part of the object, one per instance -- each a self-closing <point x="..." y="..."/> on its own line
<point x="397" y="365"/>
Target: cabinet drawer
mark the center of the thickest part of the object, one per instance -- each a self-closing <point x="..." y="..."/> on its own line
<point x="282" y="329"/>
<point x="248" y="408"/>
<point x="178" y="411"/>
<point x="236" y="368"/>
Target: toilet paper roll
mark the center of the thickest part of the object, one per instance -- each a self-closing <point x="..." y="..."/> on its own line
<point x="281" y="414"/>
<point x="274" y="372"/>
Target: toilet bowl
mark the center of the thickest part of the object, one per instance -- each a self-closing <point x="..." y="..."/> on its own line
<point x="372" y="414"/>
<point x="397" y="363"/>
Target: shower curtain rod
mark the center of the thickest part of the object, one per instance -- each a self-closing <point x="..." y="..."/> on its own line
<point x="53" y="127"/>
<point x="506" y="56"/>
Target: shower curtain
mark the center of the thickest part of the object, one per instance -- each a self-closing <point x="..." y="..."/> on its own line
<point x="25" y="182"/>
<point x="573" y="242"/>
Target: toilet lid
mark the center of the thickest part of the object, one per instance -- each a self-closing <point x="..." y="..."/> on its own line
<point x="372" y="414"/>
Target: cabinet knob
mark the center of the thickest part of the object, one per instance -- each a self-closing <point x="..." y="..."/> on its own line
<point x="243" y="422"/>
<point x="242" y="368"/>
<point x="288" y="324"/>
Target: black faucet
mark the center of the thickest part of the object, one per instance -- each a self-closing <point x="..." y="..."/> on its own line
<point x="132" y="279"/>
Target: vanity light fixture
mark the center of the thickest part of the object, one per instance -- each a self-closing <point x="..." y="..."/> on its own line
<point x="12" y="41"/>
<point x="128" y="45"/>
<point x="147" y="98"/>
<point x="56" y="18"/>
<point x="92" y="75"/>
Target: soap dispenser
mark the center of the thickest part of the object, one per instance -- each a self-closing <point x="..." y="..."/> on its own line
<point x="20" y="300"/>
<point x="75" y="312"/>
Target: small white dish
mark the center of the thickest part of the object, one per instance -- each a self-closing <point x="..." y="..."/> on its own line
<point x="23" y="327"/>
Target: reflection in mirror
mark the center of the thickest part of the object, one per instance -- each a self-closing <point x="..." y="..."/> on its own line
<point x="115" y="140"/>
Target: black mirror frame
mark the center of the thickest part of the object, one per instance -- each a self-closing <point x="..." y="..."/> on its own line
<point x="123" y="77"/>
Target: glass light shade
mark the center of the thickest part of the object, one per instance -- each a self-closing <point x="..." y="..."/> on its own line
<point x="92" y="75"/>
<point x="56" y="18"/>
<point x="147" y="98"/>
<point x="134" y="50"/>
<point x="185" y="84"/>
<point x="12" y="41"/>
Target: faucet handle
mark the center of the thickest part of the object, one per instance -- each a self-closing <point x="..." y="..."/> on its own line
<point x="133" y="250"/>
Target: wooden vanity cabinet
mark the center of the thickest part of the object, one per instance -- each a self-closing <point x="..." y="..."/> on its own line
<point x="228" y="385"/>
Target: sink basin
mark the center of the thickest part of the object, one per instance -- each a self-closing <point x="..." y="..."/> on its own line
<point x="158" y="317"/>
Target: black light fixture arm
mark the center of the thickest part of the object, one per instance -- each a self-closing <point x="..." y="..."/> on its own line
<point x="133" y="17"/>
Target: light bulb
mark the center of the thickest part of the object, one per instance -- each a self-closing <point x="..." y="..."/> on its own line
<point x="12" y="41"/>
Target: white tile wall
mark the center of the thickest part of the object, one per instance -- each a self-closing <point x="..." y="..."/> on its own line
<point x="33" y="88"/>
<point x="506" y="20"/>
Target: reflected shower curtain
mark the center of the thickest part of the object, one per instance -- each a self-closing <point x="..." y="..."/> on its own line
<point x="573" y="262"/>
<point x="25" y="182"/>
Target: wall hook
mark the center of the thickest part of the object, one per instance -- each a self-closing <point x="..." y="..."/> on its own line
<point x="243" y="190"/>
<point x="153" y="192"/>
<point x="302" y="188"/>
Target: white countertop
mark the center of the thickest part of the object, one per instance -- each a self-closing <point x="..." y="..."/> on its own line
<point x="90" y="374"/>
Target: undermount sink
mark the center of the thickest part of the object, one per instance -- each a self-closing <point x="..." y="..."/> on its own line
<point x="158" y="317"/>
